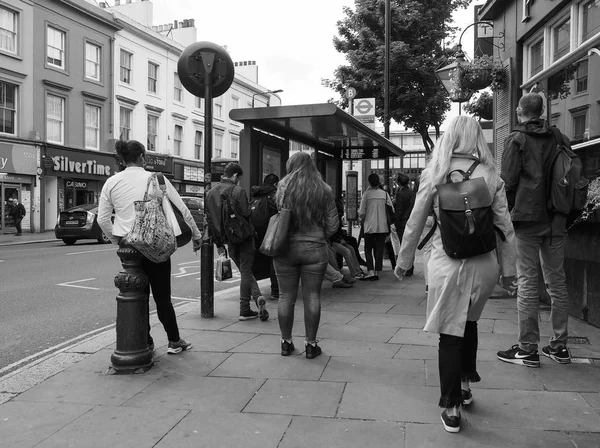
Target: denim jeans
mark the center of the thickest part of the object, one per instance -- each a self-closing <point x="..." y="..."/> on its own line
<point x="457" y="361"/>
<point x="159" y="281"/>
<point x="332" y="274"/>
<point x="374" y="244"/>
<point x="348" y="253"/>
<point x="274" y="283"/>
<point x="549" y="250"/>
<point x="242" y="255"/>
<point x="306" y="262"/>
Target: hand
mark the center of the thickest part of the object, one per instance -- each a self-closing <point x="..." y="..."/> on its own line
<point x="197" y="244"/>
<point x="221" y="251"/>
<point x="510" y="284"/>
<point x="399" y="273"/>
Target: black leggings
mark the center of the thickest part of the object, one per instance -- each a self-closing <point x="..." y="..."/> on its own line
<point x="457" y="358"/>
<point x="374" y="244"/>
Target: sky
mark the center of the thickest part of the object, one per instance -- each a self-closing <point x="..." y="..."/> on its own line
<point x="291" y="42"/>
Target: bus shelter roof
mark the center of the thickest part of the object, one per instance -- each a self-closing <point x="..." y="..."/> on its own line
<point x="324" y="127"/>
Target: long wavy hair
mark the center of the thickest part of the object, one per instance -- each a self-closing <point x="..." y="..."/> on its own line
<point x="303" y="191"/>
<point x="463" y="137"/>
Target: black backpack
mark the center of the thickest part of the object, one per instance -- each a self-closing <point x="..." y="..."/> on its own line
<point x="261" y="210"/>
<point x="234" y="228"/>
<point x="466" y="216"/>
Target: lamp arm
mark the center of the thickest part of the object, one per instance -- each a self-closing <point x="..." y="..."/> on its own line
<point x="490" y="24"/>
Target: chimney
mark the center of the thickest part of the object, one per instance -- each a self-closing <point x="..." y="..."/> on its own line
<point x="192" y="21"/>
<point x="175" y="24"/>
<point x="186" y="23"/>
<point x="117" y="2"/>
<point x="103" y="5"/>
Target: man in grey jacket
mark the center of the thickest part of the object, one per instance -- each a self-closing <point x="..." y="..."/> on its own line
<point x="539" y="233"/>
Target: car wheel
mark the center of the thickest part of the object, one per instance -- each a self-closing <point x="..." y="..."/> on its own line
<point x="69" y="241"/>
<point x="103" y="239"/>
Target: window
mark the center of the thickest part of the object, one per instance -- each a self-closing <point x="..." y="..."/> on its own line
<point x="8" y="108"/>
<point x="199" y="103"/>
<point x="235" y="102"/>
<point x="198" y="146"/>
<point x="8" y="30"/>
<point x="590" y="19"/>
<point x="125" y="70"/>
<point x="55" y="55"/>
<point x="218" y="107"/>
<point x="536" y="57"/>
<point x="55" y="124"/>
<point x="125" y="123"/>
<point x="249" y="104"/>
<point x="152" y="77"/>
<point x="218" y="144"/>
<point x="178" y="92"/>
<point x="561" y="39"/>
<point x="92" y="61"/>
<point x="579" y="124"/>
<point x="152" y="132"/>
<point x="92" y="127"/>
<point x="581" y="77"/>
<point x="177" y="139"/>
<point x="235" y="146"/>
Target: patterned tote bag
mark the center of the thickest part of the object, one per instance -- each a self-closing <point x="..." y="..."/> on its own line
<point x="151" y="234"/>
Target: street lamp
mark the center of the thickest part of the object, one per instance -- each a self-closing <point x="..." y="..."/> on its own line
<point x="445" y="75"/>
<point x="265" y="93"/>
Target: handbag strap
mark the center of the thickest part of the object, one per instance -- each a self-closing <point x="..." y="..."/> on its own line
<point x="150" y="179"/>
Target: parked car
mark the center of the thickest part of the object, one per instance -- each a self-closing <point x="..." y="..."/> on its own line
<point x="79" y="223"/>
<point x="196" y="208"/>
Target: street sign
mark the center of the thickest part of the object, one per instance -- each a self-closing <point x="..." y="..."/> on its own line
<point x="350" y="93"/>
<point x="364" y="111"/>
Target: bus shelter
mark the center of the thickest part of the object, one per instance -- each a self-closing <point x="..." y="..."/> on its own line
<point x="332" y="134"/>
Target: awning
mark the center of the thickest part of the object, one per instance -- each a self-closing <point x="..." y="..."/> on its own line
<point x="324" y="127"/>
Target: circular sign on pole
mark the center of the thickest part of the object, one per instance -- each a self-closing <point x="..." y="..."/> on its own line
<point x="350" y="93"/>
<point x="363" y="107"/>
<point x="201" y="58"/>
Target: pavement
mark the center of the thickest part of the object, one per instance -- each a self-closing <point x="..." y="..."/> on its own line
<point x="10" y="239"/>
<point x="375" y="385"/>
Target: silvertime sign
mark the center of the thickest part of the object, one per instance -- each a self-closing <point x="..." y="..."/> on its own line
<point x="62" y="163"/>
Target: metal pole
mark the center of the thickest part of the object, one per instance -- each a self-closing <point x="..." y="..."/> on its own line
<point x="386" y="88"/>
<point x="207" y="287"/>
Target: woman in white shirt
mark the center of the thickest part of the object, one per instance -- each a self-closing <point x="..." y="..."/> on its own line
<point x="119" y="194"/>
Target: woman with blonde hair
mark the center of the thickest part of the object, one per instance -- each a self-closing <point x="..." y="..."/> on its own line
<point x="314" y="219"/>
<point x="459" y="288"/>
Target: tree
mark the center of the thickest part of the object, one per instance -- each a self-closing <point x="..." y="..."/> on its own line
<point x="419" y="27"/>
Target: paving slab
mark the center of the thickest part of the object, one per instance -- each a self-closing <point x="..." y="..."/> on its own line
<point x="243" y="365"/>
<point x="116" y="427"/>
<point x="434" y="436"/>
<point x="264" y="343"/>
<point x="197" y="393"/>
<point x="257" y="326"/>
<point x="384" y="371"/>
<point x="415" y="337"/>
<point x="485" y="325"/>
<point x="349" y="296"/>
<point x="356" y="333"/>
<point x="375" y="350"/>
<point x="359" y="307"/>
<point x="327" y="317"/>
<point x="6" y="397"/>
<point x="219" y="341"/>
<point x="496" y="342"/>
<point x="24" y="425"/>
<point x="389" y="320"/>
<point x="593" y="399"/>
<point x="311" y="398"/>
<point x="587" y="440"/>
<point x="494" y="375"/>
<point x="215" y="430"/>
<point x="333" y="433"/>
<point x="398" y="403"/>
<point x="193" y="321"/>
<point x="518" y="409"/>
<point x="401" y="300"/>
<point x="98" y="363"/>
<point x="417" y="352"/>
<point x="570" y="377"/>
<point x="408" y="309"/>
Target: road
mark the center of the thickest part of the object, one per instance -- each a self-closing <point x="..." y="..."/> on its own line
<point x="51" y="293"/>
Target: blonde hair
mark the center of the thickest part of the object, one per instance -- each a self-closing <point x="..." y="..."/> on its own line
<point x="464" y="137"/>
<point x="303" y="191"/>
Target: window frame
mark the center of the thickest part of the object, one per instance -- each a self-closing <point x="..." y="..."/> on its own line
<point x="17" y="25"/>
<point x="198" y="145"/>
<point x="64" y="50"/>
<point x="86" y="126"/>
<point x="177" y="142"/>
<point x="582" y="78"/>
<point x="218" y="148"/>
<point x="218" y="107"/>
<point x="576" y="114"/>
<point x="148" y="134"/>
<point x="121" y="127"/>
<point x="177" y="89"/>
<point x="199" y="103"/>
<point x="582" y="24"/>
<point x="565" y="18"/>
<point x="98" y="48"/>
<point x="129" y="70"/>
<point x="234" y="138"/>
<point x="15" y="111"/>
<point x="61" y="121"/>
<point x="153" y="80"/>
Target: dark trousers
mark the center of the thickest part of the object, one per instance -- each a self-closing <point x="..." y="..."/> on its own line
<point x="374" y="244"/>
<point x="389" y="248"/>
<point x="353" y="243"/>
<point x="159" y="277"/>
<point x="457" y="358"/>
<point x="242" y="255"/>
<point x="18" y="225"/>
<point x="274" y="283"/>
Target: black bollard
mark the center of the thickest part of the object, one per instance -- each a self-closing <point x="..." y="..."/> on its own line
<point x="207" y="308"/>
<point x="132" y="354"/>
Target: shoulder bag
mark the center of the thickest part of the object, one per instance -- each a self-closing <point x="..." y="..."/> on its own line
<point x="183" y="232"/>
<point x="275" y="241"/>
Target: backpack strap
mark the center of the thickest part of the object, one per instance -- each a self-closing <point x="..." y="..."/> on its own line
<point x="465" y="174"/>
<point x="429" y="234"/>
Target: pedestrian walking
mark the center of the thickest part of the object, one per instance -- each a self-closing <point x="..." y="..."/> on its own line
<point x="119" y="194"/>
<point x="18" y="213"/>
<point x="314" y="219"/>
<point x="228" y="216"/>
<point x="404" y="203"/>
<point x="458" y="288"/>
<point x="540" y="234"/>
<point x="373" y="214"/>
<point x="262" y="207"/>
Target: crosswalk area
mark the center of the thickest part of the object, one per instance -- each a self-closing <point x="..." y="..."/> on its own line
<point x="192" y="269"/>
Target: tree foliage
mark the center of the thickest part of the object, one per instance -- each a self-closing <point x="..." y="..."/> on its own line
<point x="418" y="28"/>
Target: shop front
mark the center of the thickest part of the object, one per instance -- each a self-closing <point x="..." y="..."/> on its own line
<point x="159" y="163"/>
<point x="18" y="168"/>
<point x="189" y="178"/>
<point x="74" y="177"/>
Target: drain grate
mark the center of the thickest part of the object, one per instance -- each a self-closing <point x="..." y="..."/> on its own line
<point x="578" y="340"/>
<point x="581" y="361"/>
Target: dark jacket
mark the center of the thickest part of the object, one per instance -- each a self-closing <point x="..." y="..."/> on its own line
<point x="405" y="201"/>
<point x="525" y="170"/>
<point x="17" y="211"/>
<point x="212" y="207"/>
<point x="261" y="191"/>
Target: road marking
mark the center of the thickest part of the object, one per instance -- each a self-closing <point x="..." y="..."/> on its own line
<point x="1" y="261"/>
<point x="70" y="284"/>
<point x="90" y="251"/>
<point x="185" y="299"/>
<point x="189" y="262"/>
